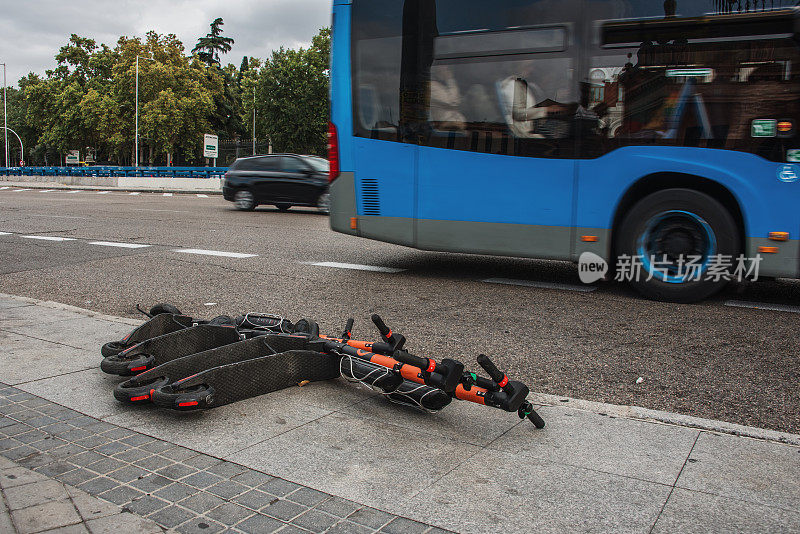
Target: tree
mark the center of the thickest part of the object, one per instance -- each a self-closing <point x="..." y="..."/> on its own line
<point x="209" y="48"/>
<point x="293" y="97"/>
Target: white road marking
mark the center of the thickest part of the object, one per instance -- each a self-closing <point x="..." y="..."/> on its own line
<point x="58" y="216"/>
<point x="47" y="190"/>
<point x="48" y="238"/>
<point x="213" y="253"/>
<point x="202" y="196"/>
<point x="119" y="245"/>
<point x="5" y="233"/>
<point x="210" y="304"/>
<point x="167" y="194"/>
<point x="166" y="211"/>
<point x="5" y="187"/>
<point x="75" y="191"/>
<point x="357" y="267"/>
<point x="541" y="285"/>
<point x="18" y="190"/>
<point x="762" y="306"/>
<point x="134" y="194"/>
<point x="103" y="192"/>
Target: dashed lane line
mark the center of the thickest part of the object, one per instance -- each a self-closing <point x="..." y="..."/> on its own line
<point x="75" y="191"/>
<point x="541" y="285"/>
<point x="762" y="306"/>
<point x="4" y="187"/>
<point x="118" y="245"/>
<point x="167" y="194"/>
<point x="134" y="194"/>
<point x="20" y="190"/>
<point x="103" y="192"/>
<point x="220" y="253"/>
<point x="201" y="196"/>
<point x="48" y="238"/>
<point x="5" y="233"/>
<point x="357" y="267"/>
<point x="47" y="190"/>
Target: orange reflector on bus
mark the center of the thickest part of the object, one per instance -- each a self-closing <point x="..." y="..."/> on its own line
<point x="589" y="238"/>
<point x="768" y="250"/>
<point x="785" y="126"/>
<point x="353" y="223"/>
<point x="779" y="236"/>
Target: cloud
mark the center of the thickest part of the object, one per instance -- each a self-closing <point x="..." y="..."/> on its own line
<point x="34" y="30"/>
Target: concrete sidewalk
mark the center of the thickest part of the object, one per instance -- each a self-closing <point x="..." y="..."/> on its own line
<point x="131" y="183"/>
<point x="332" y="457"/>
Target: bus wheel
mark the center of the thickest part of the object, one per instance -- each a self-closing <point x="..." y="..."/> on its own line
<point x="669" y="241"/>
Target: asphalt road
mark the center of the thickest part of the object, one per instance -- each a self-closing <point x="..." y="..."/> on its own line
<point x="710" y="360"/>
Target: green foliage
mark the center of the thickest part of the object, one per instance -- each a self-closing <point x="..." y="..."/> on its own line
<point x="87" y="101"/>
<point x="292" y="97"/>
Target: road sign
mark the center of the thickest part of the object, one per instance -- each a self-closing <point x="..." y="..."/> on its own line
<point x="73" y="157"/>
<point x="210" y="146"/>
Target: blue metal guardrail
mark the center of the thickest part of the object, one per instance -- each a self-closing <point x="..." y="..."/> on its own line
<point x="168" y="172"/>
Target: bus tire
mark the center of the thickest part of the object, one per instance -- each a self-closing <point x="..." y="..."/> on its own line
<point x="677" y="222"/>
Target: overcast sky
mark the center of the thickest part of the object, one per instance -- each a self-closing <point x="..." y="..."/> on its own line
<point x="32" y="31"/>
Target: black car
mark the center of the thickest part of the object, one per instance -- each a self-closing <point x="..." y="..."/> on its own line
<point x="283" y="180"/>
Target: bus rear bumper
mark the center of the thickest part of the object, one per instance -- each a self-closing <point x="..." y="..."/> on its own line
<point x="343" y="204"/>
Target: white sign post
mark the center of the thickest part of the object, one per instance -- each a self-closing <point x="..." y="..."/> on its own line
<point x="211" y="147"/>
<point x="73" y="157"/>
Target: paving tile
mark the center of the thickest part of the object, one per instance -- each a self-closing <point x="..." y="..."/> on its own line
<point x="132" y="455"/>
<point x="66" y="451"/>
<point x="18" y="476"/>
<point x="252" y="478"/>
<point x="401" y="525"/>
<point x="119" y="433"/>
<point x="146" y="505"/>
<point x="128" y="473"/>
<point x="370" y="517"/>
<point x="54" y="469"/>
<point x="156" y="446"/>
<point x="226" y="469"/>
<point x="154" y="462"/>
<point x="20" y="452"/>
<point x="338" y="506"/>
<point x="229" y="513"/>
<point x="121" y="495"/>
<point x="307" y="496"/>
<point x="254" y="499"/>
<point x="202" y="461"/>
<point x="690" y="511"/>
<point x="76" y="476"/>
<point x="124" y="522"/>
<point x="111" y="448"/>
<point x="28" y="437"/>
<point x="202" y="479"/>
<point x="201" y="502"/>
<point x="105" y="465"/>
<point x="178" y="454"/>
<point x="648" y="451"/>
<point x="36" y="459"/>
<point x="45" y="516"/>
<point x="227" y="489"/>
<point x="756" y="471"/>
<point x="137" y="440"/>
<point x="171" y="516"/>
<point x="295" y="455"/>
<point x="80" y="528"/>
<point x="35" y="494"/>
<point x="175" y="492"/>
<point x="315" y="521"/>
<point x="279" y="487"/>
<point x="348" y="527"/>
<point x="176" y="471"/>
<point x="60" y="389"/>
<point x="259" y="524"/>
<point x="283" y="509"/>
<point x="519" y="497"/>
<point x="151" y="483"/>
<point x="292" y="529"/>
<point x="98" y="485"/>
<point x="85" y="458"/>
<point x="201" y="525"/>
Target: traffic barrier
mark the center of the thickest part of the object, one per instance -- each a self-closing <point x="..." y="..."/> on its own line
<point x="115" y="171"/>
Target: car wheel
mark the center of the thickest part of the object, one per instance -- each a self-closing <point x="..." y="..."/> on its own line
<point x="676" y="235"/>
<point x="283" y="207"/>
<point x="324" y="203"/>
<point x="244" y="200"/>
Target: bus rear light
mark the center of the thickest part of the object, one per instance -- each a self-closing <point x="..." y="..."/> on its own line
<point x="333" y="153"/>
<point x="768" y="250"/>
<point x="589" y="238"/>
<point x="353" y="223"/>
<point x="779" y="236"/>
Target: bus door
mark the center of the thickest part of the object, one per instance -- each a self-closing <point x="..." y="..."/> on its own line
<point x="385" y="152"/>
<point x="497" y="156"/>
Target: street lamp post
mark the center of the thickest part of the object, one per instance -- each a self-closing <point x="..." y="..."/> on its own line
<point x="21" y="147"/>
<point x="137" y="108"/>
<point x="5" y="113"/>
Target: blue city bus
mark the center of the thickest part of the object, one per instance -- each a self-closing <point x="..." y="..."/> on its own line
<point x="654" y="129"/>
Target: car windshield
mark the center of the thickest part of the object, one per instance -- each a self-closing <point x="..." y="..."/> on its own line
<point x="318" y="164"/>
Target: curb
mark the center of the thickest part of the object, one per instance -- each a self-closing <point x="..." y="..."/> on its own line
<point x="54" y="185"/>
<point x="542" y="399"/>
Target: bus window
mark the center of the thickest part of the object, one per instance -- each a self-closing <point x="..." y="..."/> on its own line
<point x="690" y="73"/>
